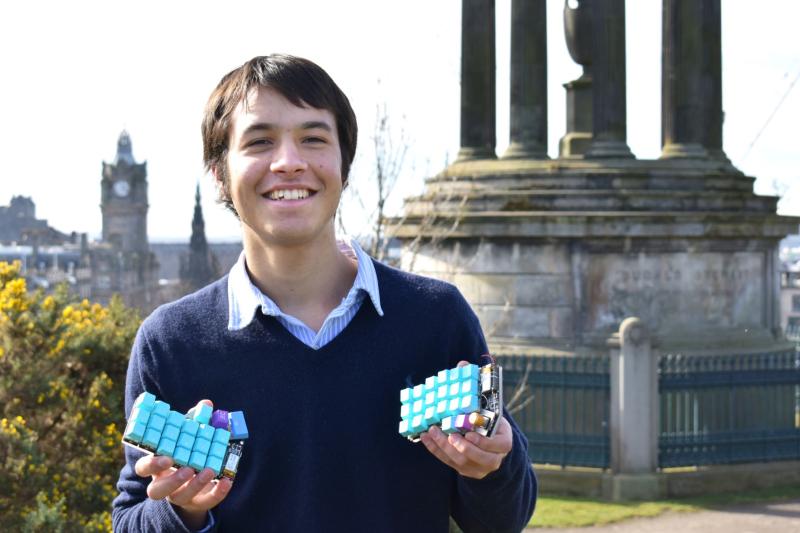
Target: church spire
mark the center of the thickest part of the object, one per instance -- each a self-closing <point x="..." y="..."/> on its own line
<point x="124" y="149"/>
<point x="199" y="267"/>
<point x="198" y="241"/>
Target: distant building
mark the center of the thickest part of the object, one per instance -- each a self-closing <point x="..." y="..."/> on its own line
<point x="19" y="225"/>
<point x="121" y="263"/>
<point x="199" y="266"/>
<point x="790" y="286"/>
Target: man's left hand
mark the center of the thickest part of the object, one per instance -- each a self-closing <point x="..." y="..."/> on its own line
<point x="471" y="455"/>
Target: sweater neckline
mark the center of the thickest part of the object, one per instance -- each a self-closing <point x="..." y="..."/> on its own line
<point x="272" y="324"/>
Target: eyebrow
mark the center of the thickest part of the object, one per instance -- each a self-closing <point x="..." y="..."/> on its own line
<point x="308" y="125"/>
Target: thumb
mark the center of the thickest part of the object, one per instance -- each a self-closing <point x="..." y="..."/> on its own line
<point x="193" y="410"/>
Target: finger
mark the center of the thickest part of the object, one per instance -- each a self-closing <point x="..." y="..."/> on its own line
<point x="471" y="455"/>
<point x="500" y="442"/>
<point x="431" y="441"/>
<point x="184" y="494"/>
<point x="462" y="363"/>
<point x="150" y="465"/>
<point x="166" y="484"/>
<point x="211" y="498"/>
<point x="453" y="456"/>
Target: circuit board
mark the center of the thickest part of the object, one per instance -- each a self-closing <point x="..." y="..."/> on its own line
<point x="461" y="399"/>
<point x="198" y="439"/>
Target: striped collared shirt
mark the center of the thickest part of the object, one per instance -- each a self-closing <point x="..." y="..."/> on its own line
<point x="244" y="299"/>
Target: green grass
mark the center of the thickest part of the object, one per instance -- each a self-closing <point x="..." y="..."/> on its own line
<point x="552" y="511"/>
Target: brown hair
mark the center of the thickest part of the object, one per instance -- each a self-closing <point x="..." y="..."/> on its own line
<point x="300" y="81"/>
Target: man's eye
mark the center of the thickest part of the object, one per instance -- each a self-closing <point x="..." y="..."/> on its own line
<point x="259" y="142"/>
<point x="314" y="140"/>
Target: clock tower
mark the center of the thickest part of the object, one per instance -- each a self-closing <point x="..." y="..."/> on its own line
<point x="124" y="200"/>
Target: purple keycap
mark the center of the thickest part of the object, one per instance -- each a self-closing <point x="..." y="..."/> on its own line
<point x="463" y="423"/>
<point x="219" y="419"/>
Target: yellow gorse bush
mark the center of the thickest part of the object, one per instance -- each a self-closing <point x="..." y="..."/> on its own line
<point x="62" y="372"/>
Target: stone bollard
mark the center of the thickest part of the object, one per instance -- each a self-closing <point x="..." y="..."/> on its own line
<point x="634" y="413"/>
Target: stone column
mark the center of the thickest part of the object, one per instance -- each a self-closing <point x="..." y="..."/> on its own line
<point x="634" y="413"/>
<point x="712" y="30"/>
<point x="477" y="80"/>
<point x="683" y="101"/>
<point x="609" y="122"/>
<point x="528" y="114"/>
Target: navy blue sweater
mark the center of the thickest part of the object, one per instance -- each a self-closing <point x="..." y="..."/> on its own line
<point x="324" y="453"/>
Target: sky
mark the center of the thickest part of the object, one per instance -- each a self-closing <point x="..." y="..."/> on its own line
<point x="75" y="74"/>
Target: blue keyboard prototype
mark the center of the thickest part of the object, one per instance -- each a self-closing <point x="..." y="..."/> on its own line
<point x="199" y="439"/>
<point x="461" y="399"/>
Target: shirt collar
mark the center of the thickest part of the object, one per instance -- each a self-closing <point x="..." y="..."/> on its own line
<point x="244" y="298"/>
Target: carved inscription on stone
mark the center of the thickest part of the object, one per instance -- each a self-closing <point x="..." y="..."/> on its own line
<point x="675" y="291"/>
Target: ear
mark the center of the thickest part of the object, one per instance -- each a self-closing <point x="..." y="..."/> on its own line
<point x="216" y="174"/>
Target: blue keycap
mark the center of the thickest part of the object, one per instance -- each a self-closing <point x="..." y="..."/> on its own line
<point x="214" y="463"/>
<point x="175" y="419"/>
<point x="135" y="431"/>
<point x="217" y="449"/>
<point x="165" y="446"/>
<point x="222" y="436"/>
<point x="448" y="425"/>
<point x="181" y="456"/>
<point x="469" y="372"/>
<point x="161" y="408"/>
<point x="145" y="401"/>
<point x="417" y="391"/>
<point x="430" y="383"/>
<point x="468" y="404"/>
<point x="405" y="395"/>
<point x="202" y="446"/>
<point x="170" y="432"/>
<point x="190" y="427"/>
<point x="238" y="426"/>
<point x="202" y="413"/>
<point x="156" y="422"/>
<point x="186" y="441"/>
<point x="151" y="438"/>
<point x="197" y="460"/>
<point x="205" y="432"/>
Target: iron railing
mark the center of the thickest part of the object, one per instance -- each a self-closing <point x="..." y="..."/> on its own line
<point x="562" y="405"/>
<point x="728" y="409"/>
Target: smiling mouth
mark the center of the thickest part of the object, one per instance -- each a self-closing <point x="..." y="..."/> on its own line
<point x="289" y="194"/>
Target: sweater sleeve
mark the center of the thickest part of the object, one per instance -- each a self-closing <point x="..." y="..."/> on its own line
<point x="505" y="499"/>
<point x="132" y="511"/>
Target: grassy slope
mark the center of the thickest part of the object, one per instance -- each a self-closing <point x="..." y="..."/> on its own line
<point x="577" y="512"/>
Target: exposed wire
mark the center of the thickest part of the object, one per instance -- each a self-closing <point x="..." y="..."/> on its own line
<point x="774" y="112"/>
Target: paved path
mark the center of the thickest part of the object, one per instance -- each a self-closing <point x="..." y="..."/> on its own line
<point x="777" y="517"/>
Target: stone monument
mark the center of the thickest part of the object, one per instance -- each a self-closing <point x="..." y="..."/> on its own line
<point x="553" y="254"/>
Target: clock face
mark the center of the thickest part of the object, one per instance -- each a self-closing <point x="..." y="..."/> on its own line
<point x="122" y="188"/>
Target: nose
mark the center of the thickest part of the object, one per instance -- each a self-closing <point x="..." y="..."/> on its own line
<point x="288" y="160"/>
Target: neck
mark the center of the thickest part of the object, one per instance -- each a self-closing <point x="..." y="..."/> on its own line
<point x="305" y="280"/>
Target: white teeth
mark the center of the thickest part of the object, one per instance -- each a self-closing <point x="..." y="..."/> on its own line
<point x="289" y="194"/>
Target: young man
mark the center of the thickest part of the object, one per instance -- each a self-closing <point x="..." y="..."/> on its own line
<point x="313" y="341"/>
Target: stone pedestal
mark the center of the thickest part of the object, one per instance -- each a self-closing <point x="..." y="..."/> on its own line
<point x="578" y="138"/>
<point x="553" y="255"/>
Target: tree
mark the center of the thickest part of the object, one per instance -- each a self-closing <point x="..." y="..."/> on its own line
<point x="62" y="375"/>
<point x="390" y="149"/>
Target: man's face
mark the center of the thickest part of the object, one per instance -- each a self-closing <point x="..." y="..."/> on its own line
<point x="284" y="167"/>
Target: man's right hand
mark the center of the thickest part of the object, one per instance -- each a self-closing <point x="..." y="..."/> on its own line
<point x="193" y="495"/>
